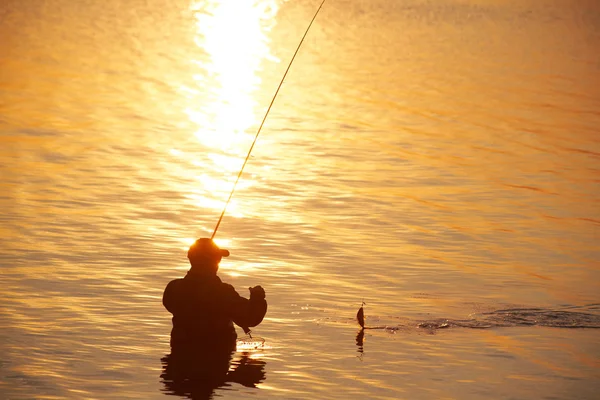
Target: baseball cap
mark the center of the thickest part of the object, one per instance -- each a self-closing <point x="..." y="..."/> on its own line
<point x="205" y="247"/>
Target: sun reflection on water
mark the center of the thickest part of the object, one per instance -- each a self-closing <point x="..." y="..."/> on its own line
<point x="233" y="40"/>
<point x="234" y="36"/>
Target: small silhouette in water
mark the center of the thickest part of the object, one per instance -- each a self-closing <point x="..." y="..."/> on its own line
<point x="360" y="336"/>
<point x="196" y="376"/>
<point x="360" y="316"/>
<point x="204" y="308"/>
<point x="360" y="341"/>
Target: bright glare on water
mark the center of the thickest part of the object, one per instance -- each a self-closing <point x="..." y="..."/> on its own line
<point x="436" y="159"/>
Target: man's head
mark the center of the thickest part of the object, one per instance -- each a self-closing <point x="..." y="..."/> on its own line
<point x="205" y="255"/>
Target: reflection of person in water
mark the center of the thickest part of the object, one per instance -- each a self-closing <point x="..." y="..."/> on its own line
<point x="198" y="377"/>
<point x="204" y="308"/>
<point x="203" y="337"/>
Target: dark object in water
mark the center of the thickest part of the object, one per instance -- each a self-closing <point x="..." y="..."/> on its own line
<point x="360" y="316"/>
<point x="199" y="374"/>
<point x="360" y="340"/>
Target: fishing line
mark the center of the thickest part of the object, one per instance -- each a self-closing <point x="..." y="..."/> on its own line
<point x="263" y="121"/>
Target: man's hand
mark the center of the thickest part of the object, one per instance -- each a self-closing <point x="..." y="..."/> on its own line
<point x="257" y="292"/>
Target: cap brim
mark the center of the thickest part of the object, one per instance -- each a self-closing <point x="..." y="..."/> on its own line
<point x="224" y="253"/>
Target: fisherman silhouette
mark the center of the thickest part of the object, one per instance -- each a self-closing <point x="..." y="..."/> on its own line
<point x="203" y="338"/>
<point x="204" y="308"/>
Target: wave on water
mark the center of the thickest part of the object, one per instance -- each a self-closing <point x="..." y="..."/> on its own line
<point x="539" y="317"/>
<point x="514" y="317"/>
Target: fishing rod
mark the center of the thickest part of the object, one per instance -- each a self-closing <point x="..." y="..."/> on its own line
<point x="263" y="121"/>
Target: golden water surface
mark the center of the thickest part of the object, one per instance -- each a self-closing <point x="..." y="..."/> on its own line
<point x="437" y="159"/>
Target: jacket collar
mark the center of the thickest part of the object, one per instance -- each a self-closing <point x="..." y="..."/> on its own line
<point x="202" y="277"/>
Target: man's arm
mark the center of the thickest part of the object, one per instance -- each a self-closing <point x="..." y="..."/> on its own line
<point x="248" y="312"/>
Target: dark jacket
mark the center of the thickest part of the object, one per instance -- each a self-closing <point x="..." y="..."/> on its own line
<point x="204" y="308"/>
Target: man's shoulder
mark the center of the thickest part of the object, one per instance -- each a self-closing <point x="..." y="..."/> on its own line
<point x="190" y="282"/>
<point x="175" y="282"/>
<point x="227" y="288"/>
<point x="172" y="285"/>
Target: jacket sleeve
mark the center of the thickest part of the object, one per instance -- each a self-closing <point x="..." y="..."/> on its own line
<point x="246" y="312"/>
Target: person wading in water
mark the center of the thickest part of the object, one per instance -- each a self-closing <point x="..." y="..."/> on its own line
<point x="204" y="308"/>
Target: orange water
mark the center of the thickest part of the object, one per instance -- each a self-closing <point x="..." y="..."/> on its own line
<point x="436" y="159"/>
